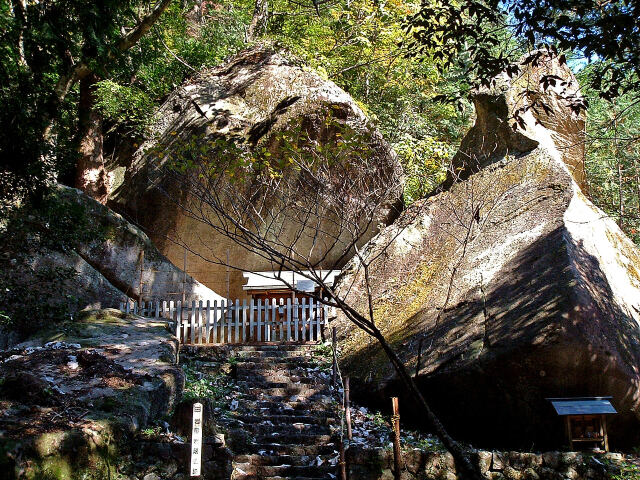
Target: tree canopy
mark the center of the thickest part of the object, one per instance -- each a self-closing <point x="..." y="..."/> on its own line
<point x="485" y="38"/>
<point x="396" y="58"/>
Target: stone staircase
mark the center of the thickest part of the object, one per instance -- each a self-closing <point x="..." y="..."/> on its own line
<point x="286" y="406"/>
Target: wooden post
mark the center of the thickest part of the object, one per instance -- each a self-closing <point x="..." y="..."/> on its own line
<point x="214" y="336"/>
<point x="208" y="323"/>
<point x="196" y="440"/>
<point x="259" y="320"/>
<point x="347" y="408"/>
<point x="397" y="454"/>
<point x="184" y="277"/>
<point x="244" y="320"/>
<point x="342" y="464"/>
<point x="141" y="272"/>
<point x="192" y="322"/>
<point x="334" y="367"/>
<point x="605" y="437"/>
<point x="288" y="319"/>
<point x="252" y="306"/>
<point x="569" y="436"/>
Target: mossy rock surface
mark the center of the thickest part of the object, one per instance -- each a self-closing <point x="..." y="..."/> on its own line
<point x="96" y="382"/>
<point x="507" y="287"/>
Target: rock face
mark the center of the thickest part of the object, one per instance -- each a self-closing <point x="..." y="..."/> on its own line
<point x="245" y="109"/>
<point x="68" y="405"/>
<point x="513" y="287"/>
<point x="95" y="260"/>
<point x="130" y="261"/>
<point x="533" y="103"/>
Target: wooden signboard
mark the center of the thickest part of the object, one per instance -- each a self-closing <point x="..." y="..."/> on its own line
<point x="196" y="440"/>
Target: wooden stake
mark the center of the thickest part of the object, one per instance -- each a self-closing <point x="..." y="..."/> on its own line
<point x="334" y="369"/>
<point x="605" y="437"/>
<point x="141" y="272"/>
<point x="342" y="464"/>
<point x="397" y="454"/>
<point x="569" y="434"/>
<point x="347" y="408"/>
<point x="184" y="277"/>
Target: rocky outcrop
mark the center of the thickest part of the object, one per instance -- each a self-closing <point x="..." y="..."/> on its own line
<point x="92" y="258"/>
<point x="127" y="258"/>
<point x="257" y="111"/>
<point x="69" y="406"/>
<point x="543" y="101"/>
<point x="508" y="287"/>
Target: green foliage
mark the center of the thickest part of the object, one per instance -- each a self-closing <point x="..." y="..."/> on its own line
<point x="624" y="471"/>
<point x="43" y="43"/>
<point x="324" y="350"/>
<point x="40" y="44"/>
<point x="357" y="44"/>
<point x="479" y="36"/>
<point x="124" y="105"/>
<point x="184" y="38"/>
<point x="198" y="385"/>
<point x="613" y="156"/>
<point x="425" y="162"/>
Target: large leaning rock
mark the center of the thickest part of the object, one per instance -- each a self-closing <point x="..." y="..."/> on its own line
<point x="101" y="261"/>
<point x="513" y="287"/>
<point x="244" y="107"/>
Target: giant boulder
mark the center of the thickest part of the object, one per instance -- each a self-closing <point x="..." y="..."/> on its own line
<point x="253" y="105"/>
<point x="507" y="287"/>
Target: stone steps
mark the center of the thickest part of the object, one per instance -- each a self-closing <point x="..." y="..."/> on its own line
<point x="296" y="450"/>
<point x="284" y="419"/>
<point x="271" y="354"/>
<point x="275" y="347"/>
<point x="294" y="439"/>
<point x="259" y="477"/>
<point x="285" y="471"/>
<point x="286" y="407"/>
<point x="280" y="431"/>
<point x="284" y="404"/>
<point x="276" y="381"/>
<point x="298" y="460"/>
<point x="299" y="390"/>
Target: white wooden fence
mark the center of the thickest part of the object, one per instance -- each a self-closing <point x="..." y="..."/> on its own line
<point x="202" y="323"/>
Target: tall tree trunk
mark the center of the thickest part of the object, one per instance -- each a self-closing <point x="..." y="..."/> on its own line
<point x="82" y="70"/>
<point x="91" y="175"/>
<point x="466" y="468"/>
<point x="19" y="8"/>
<point x="259" y="21"/>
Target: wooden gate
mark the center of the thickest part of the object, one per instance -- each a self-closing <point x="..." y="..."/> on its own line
<point x="225" y="321"/>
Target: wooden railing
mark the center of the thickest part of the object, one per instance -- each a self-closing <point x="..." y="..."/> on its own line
<point x="203" y="323"/>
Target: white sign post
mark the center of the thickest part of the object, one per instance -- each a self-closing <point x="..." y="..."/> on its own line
<point x="196" y="440"/>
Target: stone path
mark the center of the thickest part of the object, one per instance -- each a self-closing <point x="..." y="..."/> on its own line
<point x="285" y="403"/>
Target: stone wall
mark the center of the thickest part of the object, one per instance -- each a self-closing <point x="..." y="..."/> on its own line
<point x="377" y="464"/>
<point x="170" y="460"/>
